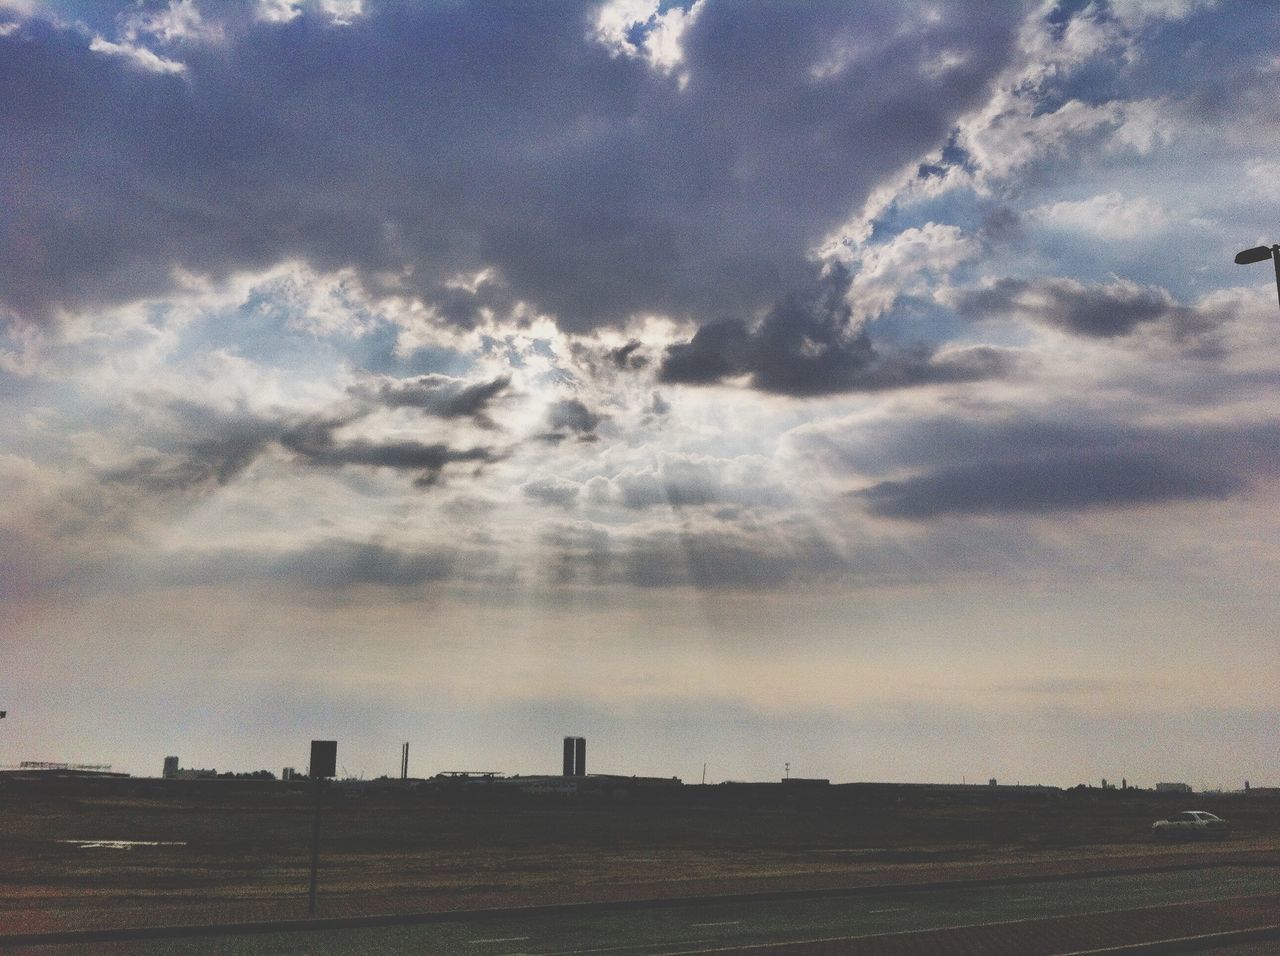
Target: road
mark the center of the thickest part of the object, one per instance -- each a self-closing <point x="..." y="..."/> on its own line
<point x="696" y="927"/>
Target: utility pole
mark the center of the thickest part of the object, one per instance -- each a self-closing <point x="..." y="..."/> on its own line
<point x="324" y="758"/>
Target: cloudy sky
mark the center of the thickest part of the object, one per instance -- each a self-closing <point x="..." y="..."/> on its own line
<point x="867" y="386"/>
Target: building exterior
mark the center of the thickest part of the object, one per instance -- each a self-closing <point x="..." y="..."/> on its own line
<point x="575" y="757"/>
<point x="1173" y="788"/>
<point x="46" y="769"/>
<point x="170" y="768"/>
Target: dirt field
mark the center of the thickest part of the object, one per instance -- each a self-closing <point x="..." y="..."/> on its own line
<point x="245" y="847"/>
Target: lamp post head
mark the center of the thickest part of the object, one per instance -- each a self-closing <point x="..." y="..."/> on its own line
<point x="1256" y="254"/>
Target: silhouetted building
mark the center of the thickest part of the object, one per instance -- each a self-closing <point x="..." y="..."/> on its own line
<point x="575" y="757"/>
<point x="170" y="768"/>
<point x="1173" y="788"/>
<point x="46" y="769"/>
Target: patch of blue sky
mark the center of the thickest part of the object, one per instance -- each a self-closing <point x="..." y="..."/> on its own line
<point x="266" y="331"/>
<point x="1194" y="56"/>
<point x="379" y="352"/>
<point x="915" y="319"/>
<point x="260" y="330"/>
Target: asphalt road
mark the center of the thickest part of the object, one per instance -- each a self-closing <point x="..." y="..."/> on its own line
<point x="683" y="928"/>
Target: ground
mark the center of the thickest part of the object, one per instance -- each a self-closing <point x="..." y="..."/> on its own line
<point x="244" y="851"/>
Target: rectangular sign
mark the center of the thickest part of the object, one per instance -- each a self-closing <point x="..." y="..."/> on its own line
<point x="324" y="758"/>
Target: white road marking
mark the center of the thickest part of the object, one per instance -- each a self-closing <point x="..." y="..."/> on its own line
<point x="612" y="949"/>
<point x="728" y="922"/>
<point x="502" y="939"/>
<point x="895" y="909"/>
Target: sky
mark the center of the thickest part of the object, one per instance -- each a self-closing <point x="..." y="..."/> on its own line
<point x="865" y="388"/>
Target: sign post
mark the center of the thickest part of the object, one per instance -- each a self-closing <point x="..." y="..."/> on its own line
<point x="324" y="764"/>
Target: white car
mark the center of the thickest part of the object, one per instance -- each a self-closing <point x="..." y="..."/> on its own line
<point x="1190" y="825"/>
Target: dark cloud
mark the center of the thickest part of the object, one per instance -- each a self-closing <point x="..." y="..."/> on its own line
<point x="717" y="350"/>
<point x="1077" y="459"/>
<point x="808" y="345"/>
<point x="628" y="356"/>
<point x="1094" y="311"/>
<point x="1036" y="465"/>
<point x="437" y="395"/>
<point x="1249" y="449"/>
<point x="571" y="417"/>
<point x="202" y="448"/>
<point x="1049" y="485"/>
<point x="488" y="135"/>
<point x="314" y="441"/>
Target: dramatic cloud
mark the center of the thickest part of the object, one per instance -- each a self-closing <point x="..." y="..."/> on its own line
<point x="437" y="395"/>
<point x="315" y="442"/>
<point x="571" y="417"/>
<point x="1048" y="485"/>
<point x="1036" y="466"/>
<point x="517" y="139"/>
<point x="754" y="353"/>
<point x="209" y="449"/>
<point x="1098" y="311"/>
<point x="628" y="356"/>
<point x="811" y="346"/>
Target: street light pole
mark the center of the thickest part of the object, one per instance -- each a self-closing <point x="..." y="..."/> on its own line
<point x="1257" y="254"/>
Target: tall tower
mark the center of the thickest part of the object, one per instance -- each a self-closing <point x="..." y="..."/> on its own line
<point x="170" y="767"/>
<point x="575" y="756"/>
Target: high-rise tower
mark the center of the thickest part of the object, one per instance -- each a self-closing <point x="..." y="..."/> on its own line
<point x="575" y="756"/>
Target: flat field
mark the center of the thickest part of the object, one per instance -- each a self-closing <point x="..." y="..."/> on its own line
<point x="231" y="851"/>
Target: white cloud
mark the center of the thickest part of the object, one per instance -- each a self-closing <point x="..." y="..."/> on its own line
<point x="1264" y="178"/>
<point x="138" y="56"/>
<point x="900" y="265"/>
<point x="661" y="31"/>
<point x="1110" y="216"/>
<point x="339" y="12"/>
<point x="1137" y="13"/>
<point x="179" y="22"/>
